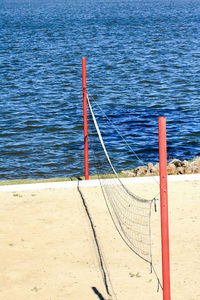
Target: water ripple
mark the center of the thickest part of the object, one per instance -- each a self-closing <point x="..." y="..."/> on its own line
<point x="142" y="62"/>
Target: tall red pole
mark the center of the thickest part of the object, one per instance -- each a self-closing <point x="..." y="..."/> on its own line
<point x="85" y="117"/>
<point x="164" y="208"/>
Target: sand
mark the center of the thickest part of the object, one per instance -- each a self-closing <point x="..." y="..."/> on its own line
<point x="48" y="251"/>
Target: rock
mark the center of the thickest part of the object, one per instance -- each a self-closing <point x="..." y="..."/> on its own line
<point x="149" y="169"/>
<point x="176" y="162"/>
<point x="171" y="169"/>
<point x="195" y="165"/>
<point x="155" y="171"/>
<point x="195" y="170"/>
<point x="197" y="162"/>
<point x="188" y="170"/>
<point x="185" y="164"/>
<point x="150" y="166"/>
<point x="175" y="166"/>
<point x="141" y="171"/>
<point x="180" y="170"/>
<point x="152" y="170"/>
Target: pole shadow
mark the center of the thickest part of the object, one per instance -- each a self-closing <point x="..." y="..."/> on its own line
<point x="99" y="295"/>
<point x="100" y="256"/>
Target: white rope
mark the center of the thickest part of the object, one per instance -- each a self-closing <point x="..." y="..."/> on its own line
<point x="108" y="158"/>
<point x="100" y="137"/>
<point x="131" y="220"/>
<point x="125" y="141"/>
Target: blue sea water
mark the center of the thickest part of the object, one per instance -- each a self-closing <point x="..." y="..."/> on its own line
<point x="143" y="61"/>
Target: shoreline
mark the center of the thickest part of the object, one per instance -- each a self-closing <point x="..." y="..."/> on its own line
<point x="174" y="167"/>
<point x="95" y="183"/>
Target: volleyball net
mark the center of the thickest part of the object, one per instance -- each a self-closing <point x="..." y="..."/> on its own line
<point x="129" y="212"/>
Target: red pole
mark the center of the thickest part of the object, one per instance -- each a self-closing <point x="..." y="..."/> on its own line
<point x="164" y="208"/>
<point x="85" y="117"/>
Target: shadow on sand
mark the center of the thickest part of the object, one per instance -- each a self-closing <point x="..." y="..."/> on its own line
<point x="98" y="293"/>
<point x="100" y="256"/>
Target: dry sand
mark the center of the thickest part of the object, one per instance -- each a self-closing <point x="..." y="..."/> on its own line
<point x="48" y="252"/>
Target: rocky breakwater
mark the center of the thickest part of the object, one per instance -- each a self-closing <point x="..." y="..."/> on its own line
<point x="174" y="167"/>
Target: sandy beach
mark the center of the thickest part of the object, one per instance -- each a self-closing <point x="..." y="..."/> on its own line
<point x="48" y="250"/>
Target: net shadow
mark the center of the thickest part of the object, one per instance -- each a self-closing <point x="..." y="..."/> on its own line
<point x="103" y="269"/>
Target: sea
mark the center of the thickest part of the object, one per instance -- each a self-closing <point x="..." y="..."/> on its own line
<point x="143" y="61"/>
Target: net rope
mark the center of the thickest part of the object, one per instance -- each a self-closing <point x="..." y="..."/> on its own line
<point x="131" y="214"/>
<point x="122" y="138"/>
